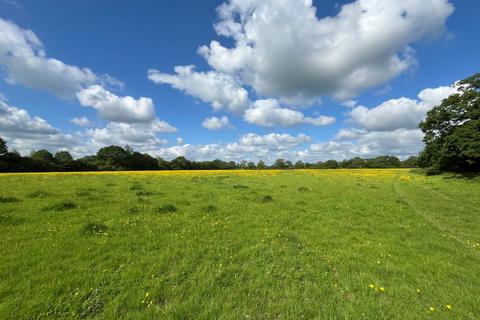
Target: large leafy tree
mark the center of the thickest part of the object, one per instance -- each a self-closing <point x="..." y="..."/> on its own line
<point x="3" y="147"/>
<point x="452" y="130"/>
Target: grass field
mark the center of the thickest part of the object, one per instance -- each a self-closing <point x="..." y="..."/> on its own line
<point x="323" y="244"/>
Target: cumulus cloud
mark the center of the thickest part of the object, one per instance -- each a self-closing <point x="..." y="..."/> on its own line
<point x="400" y="113"/>
<point x="140" y="136"/>
<point x="25" y="133"/>
<point x="218" y="89"/>
<point x="25" y="61"/>
<point x="249" y="147"/>
<point x="390" y="128"/>
<point x="215" y="123"/>
<point x="282" y="49"/>
<point x="81" y="121"/>
<point x="117" y="109"/>
<point x="269" y="113"/>
<point x="274" y="141"/>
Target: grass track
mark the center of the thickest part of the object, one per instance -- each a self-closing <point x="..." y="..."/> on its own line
<point x="243" y="244"/>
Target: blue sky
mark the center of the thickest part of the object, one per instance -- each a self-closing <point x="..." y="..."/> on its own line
<point x="281" y="81"/>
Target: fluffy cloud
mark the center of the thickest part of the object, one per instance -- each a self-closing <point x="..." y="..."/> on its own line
<point x="282" y="49"/>
<point x="25" y="133"/>
<point x="117" y="109"/>
<point x="218" y="89"/>
<point x="249" y="147"/>
<point x="140" y="136"/>
<point x="81" y="121"/>
<point x="268" y="113"/>
<point x="390" y="128"/>
<point x="215" y="123"/>
<point x="400" y="113"/>
<point x="273" y="141"/>
<point x="25" y="61"/>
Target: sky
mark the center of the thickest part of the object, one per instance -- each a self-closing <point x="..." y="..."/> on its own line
<point x="233" y="80"/>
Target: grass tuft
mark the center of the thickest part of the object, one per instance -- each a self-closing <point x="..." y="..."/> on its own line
<point x="8" y="199"/>
<point x="38" y="194"/>
<point x="10" y="221"/>
<point x="144" y="193"/>
<point x="62" y="206"/>
<point x="209" y="209"/>
<point x="266" y="198"/>
<point x="168" y="208"/>
<point x="95" y="228"/>
<point x="303" y="189"/>
<point x="240" y="186"/>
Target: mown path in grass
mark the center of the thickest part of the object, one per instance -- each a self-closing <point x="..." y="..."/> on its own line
<point x="326" y="244"/>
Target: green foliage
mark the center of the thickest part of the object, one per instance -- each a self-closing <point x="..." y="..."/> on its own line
<point x="43" y="155"/>
<point x="3" y="147"/>
<point x="452" y="130"/>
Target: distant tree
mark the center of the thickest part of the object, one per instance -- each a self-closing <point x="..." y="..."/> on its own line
<point x="383" y="162"/>
<point x="242" y="164"/>
<point x="112" y="158"/>
<point x="280" y="164"/>
<point x="299" y="165"/>
<point x="261" y="165"/>
<point x="139" y="161"/>
<point x="65" y="160"/>
<point x="163" y="164"/>
<point x="181" y="163"/>
<point x="43" y="154"/>
<point x="288" y="164"/>
<point x="330" y="164"/>
<point x="251" y="165"/>
<point x="63" y="157"/>
<point x="3" y="147"/>
<point x="452" y="130"/>
<point x="410" y="162"/>
<point x="353" y="163"/>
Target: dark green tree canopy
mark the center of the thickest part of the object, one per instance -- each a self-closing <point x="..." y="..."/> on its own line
<point x="3" y="147"/>
<point x="43" y="154"/>
<point x="452" y="130"/>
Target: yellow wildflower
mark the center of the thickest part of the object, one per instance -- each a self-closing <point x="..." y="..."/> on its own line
<point x="449" y="307"/>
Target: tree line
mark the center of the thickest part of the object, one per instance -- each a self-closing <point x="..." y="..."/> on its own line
<point x="451" y="135"/>
<point x="116" y="158"/>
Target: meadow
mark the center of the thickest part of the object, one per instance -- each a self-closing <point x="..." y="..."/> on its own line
<point x="295" y="244"/>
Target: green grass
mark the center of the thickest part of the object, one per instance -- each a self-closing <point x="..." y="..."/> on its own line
<point x="289" y="245"/>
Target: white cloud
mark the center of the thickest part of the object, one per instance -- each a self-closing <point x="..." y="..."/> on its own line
<point x="218" y="89"/>
<point x="283" y="50"/>
<point x="25" y="61"/>
<point x="399" y="113"/>
<point x="269" y="113"/>
<point x="140" y="136"/>
<point x="215" y="123"/>
<point x="273" y="141"/>
<point x="81" y="121"/>
<point x="249" y="147"/>
<point x="25" y="133"/>
<point x="117" y="109"/>
<point x="180" y="141"/>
